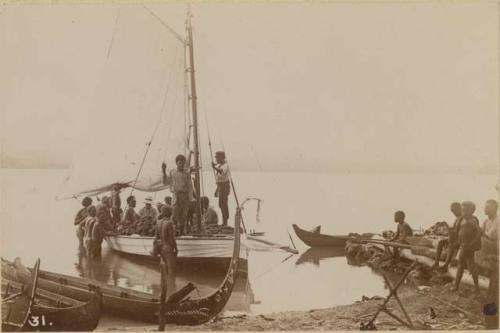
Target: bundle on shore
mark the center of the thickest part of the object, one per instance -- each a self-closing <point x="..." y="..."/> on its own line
<point x="375" y="255"/>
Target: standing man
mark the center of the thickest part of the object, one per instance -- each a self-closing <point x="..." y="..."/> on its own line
<point x="403" y="231"/>
<point x="181" y="187"/>
<point x="489" y="246"/>
<point x="223" y="179"/>
<point x="80" y="218"/>
<point x="88" y="225"/>
<point x="469" y="236"/>
<point x="165" y="233"/>
<point x="116" y="204"/>
<point x="104" y="213"/>
<point x="99" y="231"/>
<point x="452" y="241"/>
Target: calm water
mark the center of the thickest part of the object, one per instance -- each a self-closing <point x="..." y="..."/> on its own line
<point x="34" y="224"/>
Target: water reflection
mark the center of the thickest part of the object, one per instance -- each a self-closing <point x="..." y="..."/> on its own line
<point x="143" y="275"/>
<point x="315" y="255"/>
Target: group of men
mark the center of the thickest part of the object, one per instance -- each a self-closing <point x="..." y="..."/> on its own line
<point x="94" y="223"/>
<point x="465" y="238"/>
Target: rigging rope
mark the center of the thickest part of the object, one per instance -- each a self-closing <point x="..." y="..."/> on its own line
<point x="169" y="28"/>
<point x="113" y="36"/>
<point x="273" y="267"/>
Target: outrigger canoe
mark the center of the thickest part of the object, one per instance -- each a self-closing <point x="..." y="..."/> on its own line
<point x="28" y="308"/>
<point x="316" y="239"/>
<point x="139" y="305"/>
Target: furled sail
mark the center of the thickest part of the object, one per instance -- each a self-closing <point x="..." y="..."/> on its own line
<point x="144" y="117"/>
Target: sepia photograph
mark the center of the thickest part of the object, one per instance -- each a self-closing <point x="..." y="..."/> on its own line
<point x="249" y="165"/>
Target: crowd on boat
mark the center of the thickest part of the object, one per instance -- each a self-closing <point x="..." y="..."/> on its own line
<point x="95" y="222"/>
<point x="466" y="240"/>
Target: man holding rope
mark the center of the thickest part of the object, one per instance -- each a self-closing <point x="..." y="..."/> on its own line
<point x="223" y="180"/>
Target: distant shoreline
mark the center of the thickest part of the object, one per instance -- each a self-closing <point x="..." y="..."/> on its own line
<point x="339" y="172"/>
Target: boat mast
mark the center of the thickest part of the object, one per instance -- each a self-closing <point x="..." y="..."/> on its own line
<point x="195" y="120"/>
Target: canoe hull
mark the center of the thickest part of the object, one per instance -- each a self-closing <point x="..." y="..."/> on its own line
<point x="57" y="316"/>
<point x="313" y="239"/>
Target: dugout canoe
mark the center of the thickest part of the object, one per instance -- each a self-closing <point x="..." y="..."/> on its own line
<point x="139" y="305"/>
<point x="316" y="239"/>
<point x="29" y="308"/>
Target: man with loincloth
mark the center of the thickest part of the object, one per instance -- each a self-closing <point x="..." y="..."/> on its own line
<point x="452" y="241"/>
<point x="80" y="217"/>
<point x="489" y="246"/>
<point x="88" y="226"/>
<point x="116" y="204"/>
<point x="223" y="180"/>
<point x="165" y="235"/>
<point x="469" y="240"/>
<point x="99" y="231"/>
<point x="403" y="231"/>
<point x="181" y="186"/>
<point x="104" y="213"/>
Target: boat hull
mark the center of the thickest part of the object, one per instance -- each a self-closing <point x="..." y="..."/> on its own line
<point x="214" y="251"/>
<point x="314" y="239"/>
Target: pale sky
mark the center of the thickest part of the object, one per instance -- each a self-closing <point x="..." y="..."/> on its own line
<point x="295" y="87"/>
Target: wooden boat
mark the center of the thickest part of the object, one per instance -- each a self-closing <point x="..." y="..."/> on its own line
<point x="213" y="249"/>
<point x="139" y="305"/>
<point x="41" y="310"/>
<point x="316" y="239"/>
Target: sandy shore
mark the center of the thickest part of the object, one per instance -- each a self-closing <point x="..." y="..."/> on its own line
<point x="417" y="302"/>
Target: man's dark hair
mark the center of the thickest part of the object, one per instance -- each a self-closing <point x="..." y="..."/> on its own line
<point x="204" y="201"/>
<point x="492" y="202"/>
<point x="87" y="201"/>
<point x="168" y="199"/>
<point x="455" y="205"/>
<point x="400" y="214"/>
<point x="130" y="198"/>
<point x="180" y="157"/>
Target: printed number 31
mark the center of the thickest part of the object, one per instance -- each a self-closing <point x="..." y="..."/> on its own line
<point x="35" y="321"/>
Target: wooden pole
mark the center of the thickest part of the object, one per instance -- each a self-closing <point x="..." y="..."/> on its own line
<point x="195" y="122"/>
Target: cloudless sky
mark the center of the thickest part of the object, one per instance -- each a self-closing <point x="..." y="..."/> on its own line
<point x="306" y="86"/>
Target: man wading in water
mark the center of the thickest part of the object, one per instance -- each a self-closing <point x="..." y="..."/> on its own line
<point x="166" y="247"/>
<point x="223" y="179"/>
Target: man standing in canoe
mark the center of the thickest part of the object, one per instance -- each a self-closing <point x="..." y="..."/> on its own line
<point x="223" y="180"/>
<point x="452" y="241"/>
<point x="469" y="239"/>
<point x="181" y="186"/>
